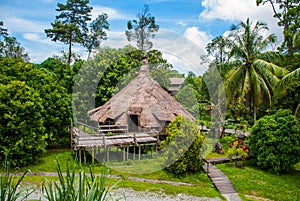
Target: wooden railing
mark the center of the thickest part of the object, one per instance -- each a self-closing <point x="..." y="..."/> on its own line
<point x="113" y="129"/>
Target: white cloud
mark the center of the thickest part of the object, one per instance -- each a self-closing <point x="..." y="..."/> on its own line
<point x="198" y="37"/>
<point x="16" y="24"/>
<point x="233" y="10"/>
<point x="181" y="23"/>
<point x="112" y="13"/>
<point x="239" y="10"/>
<point x="183" y="53"/>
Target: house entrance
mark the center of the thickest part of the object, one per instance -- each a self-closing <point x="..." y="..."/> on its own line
<point x="133" y="123"/>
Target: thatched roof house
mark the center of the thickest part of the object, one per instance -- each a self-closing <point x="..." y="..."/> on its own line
<point x="142" y="105"/>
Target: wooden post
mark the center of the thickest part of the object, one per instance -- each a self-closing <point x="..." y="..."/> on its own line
<point x="151" y="151"/>
<point x="127" y="152"/>
<point x="123" y="153"/>
<point x="134" y="152"/>
<point x="107" y="154"/>
<point x="93" y="155"/>
<point x="84" y="156"/>
<point x="139" y="152"/>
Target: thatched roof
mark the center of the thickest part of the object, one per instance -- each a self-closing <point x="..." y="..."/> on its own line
<point x="143" y="97"/>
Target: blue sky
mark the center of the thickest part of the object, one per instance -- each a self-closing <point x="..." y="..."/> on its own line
<point x="193" y="23"/>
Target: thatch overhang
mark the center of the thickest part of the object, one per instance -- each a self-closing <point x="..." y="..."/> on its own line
<point x="142" y="97"/>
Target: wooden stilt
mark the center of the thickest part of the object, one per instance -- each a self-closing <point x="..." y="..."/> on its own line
<point x="127" y="153"/>
<point x="84" y="157"/>
<point x="93" y="155"/>
<point x="134" y="153"/>
<point x="107" y="156"/>
<point x="140" y="152"/>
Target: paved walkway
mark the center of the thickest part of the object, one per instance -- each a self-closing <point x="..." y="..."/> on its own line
<point x="221" y="182"/>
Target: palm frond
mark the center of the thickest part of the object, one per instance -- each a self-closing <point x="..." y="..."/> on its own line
<point x="288" y="80"/>
<point x="232" y="83"/>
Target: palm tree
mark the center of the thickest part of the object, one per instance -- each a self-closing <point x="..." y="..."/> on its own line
<point x="252" y="78"/>
<point x="291" y="79"/>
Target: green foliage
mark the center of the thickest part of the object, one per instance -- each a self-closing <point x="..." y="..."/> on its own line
<point x="70" y="26"/>
<point x="183" y="146"/>
<point x="10" y="188"/>
<point x="97" y="33"/>
<point x="275" y="142"/>
<point x="253" y="78"/>
<point x="218" y="48"/>
<point x="10" y="47"/>
<point x="34" y="106"/>
<point x="21" y="123"/>
<point x="287" y="12"/>
<point x="193" y="95"/>
<point x="142" y="29"/>
<point x="238" y="148"/>
<point x="77" y="188"/>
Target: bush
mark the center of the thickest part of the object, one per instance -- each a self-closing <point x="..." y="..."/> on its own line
<point x="183" y="146"/>
<point x="21" y="124"/>
<point x="77" y="188"/>
<point x="275" y="142"/>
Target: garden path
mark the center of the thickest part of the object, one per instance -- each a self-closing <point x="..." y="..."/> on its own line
<point x="221" y="181"/>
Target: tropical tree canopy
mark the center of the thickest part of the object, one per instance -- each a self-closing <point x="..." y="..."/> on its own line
<point x="252" y="78"/>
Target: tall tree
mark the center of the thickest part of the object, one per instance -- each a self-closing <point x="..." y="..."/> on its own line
<point x="252" y="79"/>
<point x="10" y="47"/>
<point x="288" y="15"/>
<point x="142" y="29"/>
<point x="218" y="48"/>
<point x="3" y="31"/>
<point x="96" y="33"/>
<point x="70" y="26"/>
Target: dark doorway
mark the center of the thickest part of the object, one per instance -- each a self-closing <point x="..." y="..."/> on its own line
<point x="133" y="123"/>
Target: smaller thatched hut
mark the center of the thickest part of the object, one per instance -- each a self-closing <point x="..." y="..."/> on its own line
<point x="143" y="105"/>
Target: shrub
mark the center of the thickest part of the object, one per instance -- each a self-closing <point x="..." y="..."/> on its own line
<point x="21" y="124"/>
<point x="275" y="142"/>
<point x="238" y="148"/>
<point x="77" y="188"/>
<point x="183" y="146"/>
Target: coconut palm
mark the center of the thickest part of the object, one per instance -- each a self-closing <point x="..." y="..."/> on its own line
<point x="290" y="80"/>
<point x="252" y="78"/>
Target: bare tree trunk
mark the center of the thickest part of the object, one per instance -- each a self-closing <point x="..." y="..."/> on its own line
<point x="70" y="49"/>
<point x="254" y="113"/>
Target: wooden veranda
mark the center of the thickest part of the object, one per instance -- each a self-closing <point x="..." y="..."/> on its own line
<point x="100" y="142"/>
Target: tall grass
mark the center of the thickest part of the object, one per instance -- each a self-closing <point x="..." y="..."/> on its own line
<point x="77" y="187"/>
<point x="10" y="186"/>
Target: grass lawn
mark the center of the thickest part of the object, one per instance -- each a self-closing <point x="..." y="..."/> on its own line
<point x="258" y="183"/>
<point x="250" y="182"/>
<point x="203" y="186"/>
